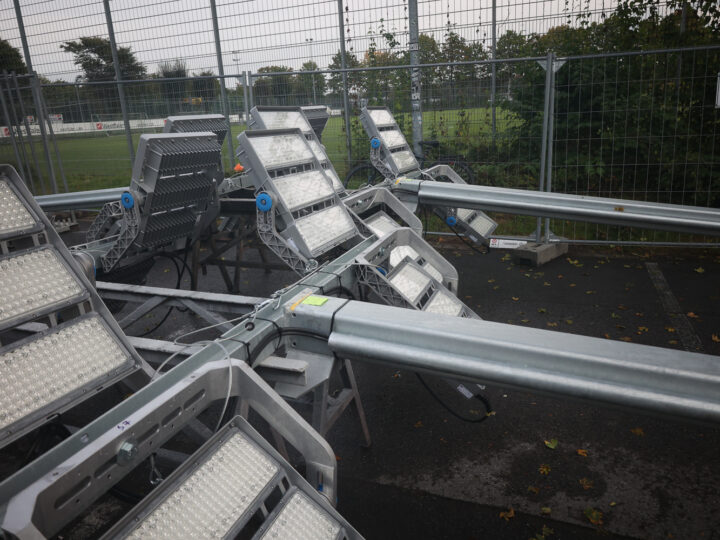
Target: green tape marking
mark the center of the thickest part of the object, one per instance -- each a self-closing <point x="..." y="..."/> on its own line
<point x="315" y="300"/>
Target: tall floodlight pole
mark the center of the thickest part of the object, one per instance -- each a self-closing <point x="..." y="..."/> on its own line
<point x="417" y="128"/>
<point x="221" y="72"/>
<point x="118" y="78"/>
<point x="343" y="64"/>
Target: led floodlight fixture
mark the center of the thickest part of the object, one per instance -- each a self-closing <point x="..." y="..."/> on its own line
<point x="302" y="519"/>
<point x="15" y="218"/>
<point x="294" y="118"/>
<point x="195" y="123"/>
<point x="301" y="216"/>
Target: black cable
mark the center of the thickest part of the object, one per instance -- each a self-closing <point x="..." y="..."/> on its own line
<point x="177" y="286"/>
<point x="481" y="398"/>
<point x="468" y="244"/>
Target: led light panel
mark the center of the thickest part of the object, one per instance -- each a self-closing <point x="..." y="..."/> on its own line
<point x="317" y="150"/>
<point x="410" y="281"/>
<point x="211" y="500"/>
<point x="405" y="160"/>
<point x="381" y="117"/>
<point x="302" y="189"/>
<point x="434" y="272"/>
<point x="281" y="150"/>
<point x="337" y="185"/>
<point x="14" y="217"/>
<point x="393" y="138"/>
<point x="32" y="281"/>
<point x="465" y="214"/>
<point x="482" y="224"/>
<point x="400" y="252"/>
<point x="284" y="120"/>
<point x="40" y="372"/>
<point x="302" y="519"/>
<point x="330" y="226"/>
<point x="444" y="304"/>
<point x="381" y="224"/>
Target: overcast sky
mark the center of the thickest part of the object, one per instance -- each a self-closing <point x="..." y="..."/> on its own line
<point x="264" y="32"/>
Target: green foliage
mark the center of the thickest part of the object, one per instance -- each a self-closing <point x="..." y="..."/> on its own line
<point x="11" y="59"/>
<point x="94" y="56"/>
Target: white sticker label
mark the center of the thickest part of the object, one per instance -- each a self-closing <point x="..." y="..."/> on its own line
<point x="464" y="391"/>
<point x="506" y="244"/>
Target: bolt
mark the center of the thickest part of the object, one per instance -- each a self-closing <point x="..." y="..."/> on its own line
<point x="127" y="452"/>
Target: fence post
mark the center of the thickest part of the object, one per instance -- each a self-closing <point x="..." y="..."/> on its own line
<point x="246" y="81"/>
<point x="29" y="135"/>
<point x="251" y="97"/>
<point x="346" y="97"/>
<point x="6" y="114"/>
<point x="551" y="138"/>
<point x="493" y="87"/>
<point x="416" y="104"/>
<point x="34" y="88"/>
<point x="118" y="79"/>
<point x="547" y="66"/>
<point x="25" y="165"/>
<point x="223" y="90"/>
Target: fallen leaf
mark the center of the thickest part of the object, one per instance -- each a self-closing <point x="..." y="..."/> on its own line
<point x="396" y="375"/>
<point x="582" y="452"/>
<point x="418" y="424"/>
<point x="542" y="310"/>
<point x="669" y="329"/>
<point x="546" y="284"/>
<point x="594" y="516"/>
<point x="552" y="324"/>
<point x="525" y="320"/>
<point x="515" y="298"/>
<point x="569" y="321"/>
<point x="693" y="316"/>
<point x="626" y="338"/>
<point x="586" y="483"/>
<point x="607" y="336"/>
<point x="573" y="285"/>
<point x="533" y="489"/>
<point x="614" y="315"/>
<point x="491" y="281"/>
<point x="551" y="444"/>
<point x="544" y="469"/>
<point x="673" y="342"/>
<point x="619" y="327"/>
<point x="545" y="510"/>
<point x="507" y="516"/>
<point x="639" y="314"/>
<point x="496" y="287"/>
<point x="613" y="503"/>
<point x="590" y="292"/>
<point x="622" y="307"/>
<point x="559" y="276"/>
<point x="715" y="338"/>
<point x="637" y="431"/>
<point x="700" y="270"/>
<point x="642" y="329"/>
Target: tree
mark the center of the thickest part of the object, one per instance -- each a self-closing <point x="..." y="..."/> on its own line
<point x="313" y="86"/>
<point x="276" y="89"/>
<point x="94" y="56"/>
<point x="11" y="59"/>
<point x="174" y="91"/>
<point x="206" y="89"/>
<point x="355" y="78"/>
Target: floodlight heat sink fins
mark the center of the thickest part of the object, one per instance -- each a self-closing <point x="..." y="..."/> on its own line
<point x="172" y="195"/>
<point x="403" y="270"/>
<point x="296" y="118"/>
<point x="215" y="123"/>
<point x="301" y="217"/>
<point x="232" y="478"/>
<point x="318" y="116"/>
<point x="81" y="349"/>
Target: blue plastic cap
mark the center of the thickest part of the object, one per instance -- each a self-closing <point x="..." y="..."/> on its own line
<point x="127" y="200"/>
<point x="375" y="142"/>
<point x="451" y="220"/>
<point x="263" y="202"/>
<point x="382" y="270"/>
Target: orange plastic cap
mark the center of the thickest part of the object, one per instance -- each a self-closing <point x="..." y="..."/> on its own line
<point x="239" y="168"/>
